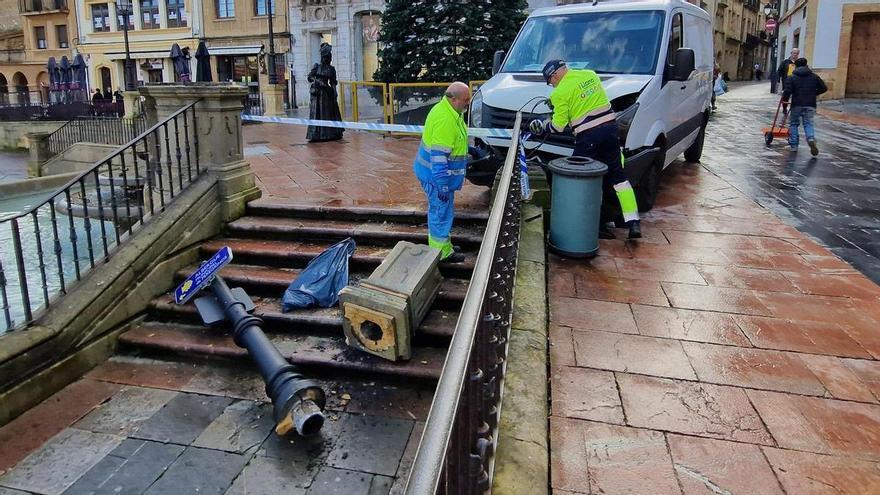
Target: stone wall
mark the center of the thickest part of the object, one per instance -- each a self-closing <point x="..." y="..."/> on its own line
<point x="77" y="158"/>
<point x="13" y="135"/>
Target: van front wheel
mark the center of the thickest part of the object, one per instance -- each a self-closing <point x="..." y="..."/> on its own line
<point x="695" y="151"/>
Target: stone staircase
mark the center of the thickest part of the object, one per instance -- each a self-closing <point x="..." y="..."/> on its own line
<point x="270" y="245"/>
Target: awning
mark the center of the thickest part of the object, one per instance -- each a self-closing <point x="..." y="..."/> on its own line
<point x="235" y="50"/>
<point x="139" y="55"/>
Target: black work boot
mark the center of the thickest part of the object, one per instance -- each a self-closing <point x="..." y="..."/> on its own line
<point x="605" y="232"/>
<point x="455" y="257"/>
<point x="635" y="231"/>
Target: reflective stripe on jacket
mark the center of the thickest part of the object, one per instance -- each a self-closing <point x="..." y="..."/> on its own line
<point x="580" y="101"/>
<point x="442" y="156"/>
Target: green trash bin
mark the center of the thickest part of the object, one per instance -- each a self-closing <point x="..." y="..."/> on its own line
<point x="576" y="201"/>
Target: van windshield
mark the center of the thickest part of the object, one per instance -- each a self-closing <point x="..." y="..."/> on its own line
<point x="606" y="42"/>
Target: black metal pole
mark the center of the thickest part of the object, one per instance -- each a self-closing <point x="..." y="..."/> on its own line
<point x="273" y="77"/>
<point x="298" y="401"/>
<point x="773" y="65"/>
<point x="128" y="75"/>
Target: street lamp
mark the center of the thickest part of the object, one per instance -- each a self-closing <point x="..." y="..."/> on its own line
<point x="771" y="13"/>
<point x="123" y="8"/>
<point x="273" y="77"/>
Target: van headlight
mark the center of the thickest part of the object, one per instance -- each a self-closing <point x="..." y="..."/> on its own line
<point x="476" y="110"/>
<point x="624" y="121"/>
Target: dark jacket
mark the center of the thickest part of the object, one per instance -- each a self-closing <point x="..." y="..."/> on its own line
<point x="782" y="71"/>
<point x="802" y="87"/>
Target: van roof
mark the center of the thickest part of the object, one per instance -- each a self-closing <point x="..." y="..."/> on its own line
<point x="613" y="5"/>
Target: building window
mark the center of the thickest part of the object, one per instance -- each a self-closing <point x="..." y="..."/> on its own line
<point x="61" y="35"/>
<point x="225" y="9"/>
<point x="260" y="6"/>
<point x="120" y="19"/>
<point x="176" y="13"/>
<point x="40" y="36"/>
<point x="100" y="17"/>
<point x="150" y="14"/>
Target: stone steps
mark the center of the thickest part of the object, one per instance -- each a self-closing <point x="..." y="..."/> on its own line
<point x="359" y="213"/>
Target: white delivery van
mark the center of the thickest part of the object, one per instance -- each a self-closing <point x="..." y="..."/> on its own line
<point x="654" y="58"/>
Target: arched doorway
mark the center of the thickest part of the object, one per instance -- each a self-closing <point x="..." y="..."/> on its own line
<point x="106" y="81"/>
<point x="4" y="90"/>
<point x="21" y="88"/>
<point x="43" y="86"/>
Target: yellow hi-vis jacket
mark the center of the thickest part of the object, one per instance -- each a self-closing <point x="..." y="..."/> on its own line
<point x="580" y="101"/>
<point x="443" y="152"/>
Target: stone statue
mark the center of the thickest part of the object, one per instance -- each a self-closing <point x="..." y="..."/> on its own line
<point x="323" y="104"/>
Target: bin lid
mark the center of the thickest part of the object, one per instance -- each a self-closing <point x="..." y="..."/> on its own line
<point x="578" y="166"/>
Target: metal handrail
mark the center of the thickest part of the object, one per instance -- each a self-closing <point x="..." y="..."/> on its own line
<point x="431" y="460"/>
<point x="95" y="129"/>
<point x="169" y="149"/>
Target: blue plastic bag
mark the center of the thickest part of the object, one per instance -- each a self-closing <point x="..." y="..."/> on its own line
<point x="321" y="280"/>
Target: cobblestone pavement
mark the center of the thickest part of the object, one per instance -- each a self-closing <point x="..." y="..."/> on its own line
<point x="363" y="169"/>
<point x="726" y="352"/>
<point x="834" y="198"/>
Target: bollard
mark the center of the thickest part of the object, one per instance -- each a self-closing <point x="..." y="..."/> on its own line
<point x="298" y="402"/>
<point x="576" y="200"/>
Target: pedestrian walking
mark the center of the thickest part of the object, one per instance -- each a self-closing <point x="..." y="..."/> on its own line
<point x="802" y="88"/>
<point x="786" y="68"/>
<point x="440" y="166"/>
<point x="579" y="100"/>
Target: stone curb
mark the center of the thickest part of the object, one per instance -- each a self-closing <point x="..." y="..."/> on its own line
<point x="25" y="187"/>
<point x="522" y="458"/>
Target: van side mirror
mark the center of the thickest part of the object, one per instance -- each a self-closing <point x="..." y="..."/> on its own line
<point x="684" y="64"/>
<point x="497" y="59"/>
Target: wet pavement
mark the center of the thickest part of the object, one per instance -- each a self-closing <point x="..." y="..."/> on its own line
<point x="727" y="352"/>
<point x="364" y="169"/>
<point x="13" y="166"/>
<point x="834" y="198"/>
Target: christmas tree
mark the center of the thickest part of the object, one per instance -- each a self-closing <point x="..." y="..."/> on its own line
<point x="443" y="40"/>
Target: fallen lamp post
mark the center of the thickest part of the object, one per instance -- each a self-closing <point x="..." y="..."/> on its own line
<point x="298" y="402"/>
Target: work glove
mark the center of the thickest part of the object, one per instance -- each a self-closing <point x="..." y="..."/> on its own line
<point x="538" y="127"/>
<point x="443" y="194"/>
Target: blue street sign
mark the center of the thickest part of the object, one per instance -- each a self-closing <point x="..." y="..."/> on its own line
<point x="202" y="277"/>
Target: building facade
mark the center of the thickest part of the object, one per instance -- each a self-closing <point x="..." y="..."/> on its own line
<point x="839" y="38"/>
<point x="46" y="28"/>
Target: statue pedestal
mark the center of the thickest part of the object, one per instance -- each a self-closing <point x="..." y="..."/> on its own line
<point x="273" y="98"/>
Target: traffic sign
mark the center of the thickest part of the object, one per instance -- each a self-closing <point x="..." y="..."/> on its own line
<point x="771" y="24"/>
<point x="202" y="277"/>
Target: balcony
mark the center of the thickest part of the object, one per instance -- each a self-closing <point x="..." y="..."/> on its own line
<point x="39" y="6"/>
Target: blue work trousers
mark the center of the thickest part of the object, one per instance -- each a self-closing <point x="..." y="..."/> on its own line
<point x="799" y="114"/>
<point x="440" y="214"/>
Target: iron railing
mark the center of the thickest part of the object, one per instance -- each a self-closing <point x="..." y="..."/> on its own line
<point x="24" y="111"/>
<point x="456" y="452"/>
<point x="102" y="130"/>
<point x="84" y="222"/>
<point x="252" y="104"/>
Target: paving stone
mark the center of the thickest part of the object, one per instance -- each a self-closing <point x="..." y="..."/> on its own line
<point x="124" y="413"/>
<point x="824" y="426"/>
<point x="753" y="368"/>
<point x="242" y="426"/>
<point x="383" y="399"/>
<point x="685" y="324"/>
<point x="142" y="372"/>
<point x="183" y="418"/>
<point x="311" y="451"/>
<point x="236" y="382"/>
<point x="371" y="444"/>
<point x="652" y="270"/>
<point x="561" y="346"/>
<point x="10" y="491"/>
<point x="868" y="373"/>
<point x="585" y="394"/>
<point x="60" y="462"/>
<point x="691" y="408"/>
<point x="857" y="285"/>
<point x="409" y="455"/>
<point x="803" y="473"/>
<point x="33" y="428"/>
<point x="839" y="380"/>
<point x="620" y="352"/>
<point x="716" y="466"/>
<point x="746" y="278"/>
<point x="130" y="468"/>
<point x="269" y="476"/>
<point x="584" y="314"/>
<point x="802" y="336"/>
<point x="722" y="300"/>
<point x="621" y="290"/>
<point x="200" y="471"/>
<point x="333" y="481"/>
<point x="591" y="457"/>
